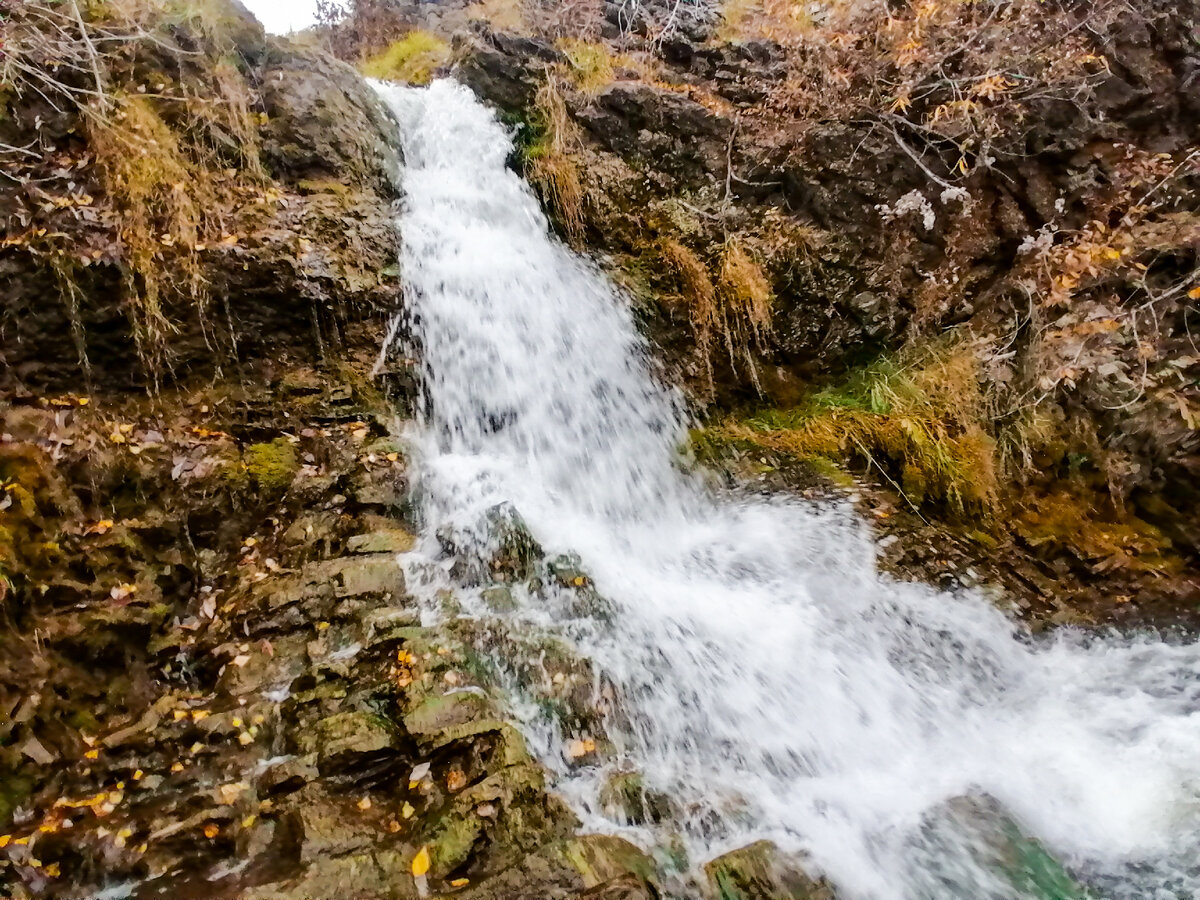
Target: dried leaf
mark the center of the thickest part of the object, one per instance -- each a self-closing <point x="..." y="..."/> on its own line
<point x="420" y="863"/>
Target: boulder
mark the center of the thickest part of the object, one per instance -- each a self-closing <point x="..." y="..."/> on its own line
<point x="972" y="846"/>
<point x="325" y="122"/>
<point x="760" y="872"/>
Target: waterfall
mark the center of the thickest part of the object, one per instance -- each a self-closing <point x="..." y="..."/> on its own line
<point x="774" y="683"/>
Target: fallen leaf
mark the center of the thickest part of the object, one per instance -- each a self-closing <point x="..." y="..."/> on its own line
<point x="211" y="830"/>
<point x="578" y="748"/>
<point x="364" y="804"/>
<point x="407" y="810"/>
<point x="460" y="882"/>
<point x="420" y="863"/>
<point x="455" y="780"/>
<point x="418" y="774"/>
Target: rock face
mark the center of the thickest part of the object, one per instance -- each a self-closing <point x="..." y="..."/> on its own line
<point x="258" y="701"/>
<point x="266" y="222"/>
<point x="777" y="242"/>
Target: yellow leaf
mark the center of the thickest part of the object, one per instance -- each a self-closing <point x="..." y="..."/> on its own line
<point x="1194" y="293"/>
<point x="364" y="804"/>
<point x="420" y="863"/>
<point x="407" y="810"/>
<point x="460" y="882"/>
<point x="211" y="830"/>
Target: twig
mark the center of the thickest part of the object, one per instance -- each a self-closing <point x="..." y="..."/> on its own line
<point x="91" y="49"/>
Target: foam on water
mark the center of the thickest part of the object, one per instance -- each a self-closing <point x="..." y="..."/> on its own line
<point x="774" y="682"/>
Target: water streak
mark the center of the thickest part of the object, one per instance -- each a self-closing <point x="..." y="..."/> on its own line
<point x="782" y="686"/>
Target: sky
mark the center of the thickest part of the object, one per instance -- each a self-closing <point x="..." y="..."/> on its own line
<point x="282" y="16"/>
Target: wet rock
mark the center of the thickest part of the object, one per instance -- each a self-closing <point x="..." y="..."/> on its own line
<point x="624" y="796"/>
<point x="384" y="488"/>
<point x="973" y="836"/>
<point x="514" y="550"/>
<point x="760" y="872"/>
<point x="499" y="548"/>
<point x="378" y="874"/>
<point x="591" y="865"/>
<point x="505" y="69"/>
<point x="567" y="570"/>
<point x="387" y="624"/>
<point x="394" y="540"/>
<point x="287" y="776"/>
<point x="319" y="586"/>
<point x="325" y="122"/>
<point x="340" y="738"/>
<point x="499" y="598"/>
<point x="642" y="122"/>
<point x="437" y="713"/>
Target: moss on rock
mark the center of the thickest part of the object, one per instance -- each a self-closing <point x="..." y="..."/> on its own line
<point x="271" y="466"/>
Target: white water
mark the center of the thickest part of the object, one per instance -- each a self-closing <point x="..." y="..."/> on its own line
<point x="781" y="687"/>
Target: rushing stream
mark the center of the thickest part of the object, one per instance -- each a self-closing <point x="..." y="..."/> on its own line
<point x="775" y="684"/>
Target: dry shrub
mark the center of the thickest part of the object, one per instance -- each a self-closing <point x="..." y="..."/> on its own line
<point x="549" y="165"/>
<point x="918" y="418"/>
<point x="412" y="59"/>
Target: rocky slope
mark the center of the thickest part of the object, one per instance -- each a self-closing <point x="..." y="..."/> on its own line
<point x="213" y="679"/>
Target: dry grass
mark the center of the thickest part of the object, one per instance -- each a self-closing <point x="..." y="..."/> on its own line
<point x="746" y="298"/>
<point x="159" y="194"/>
<point x="412" y="59"/>
<point x="698" y="295"/>
<point x="734" y="308"/>
<point x="501" y="15"/>
<point x="917" y="418"/>
<point x="550" y="166"/>
<point x="589" y="65"/>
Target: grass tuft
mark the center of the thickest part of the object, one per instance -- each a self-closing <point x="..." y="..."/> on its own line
<point x="549" y="165"/>
<point x="590" y="65"/>
<point x="916" y="417"/>
<point x="150" y="179"/>
<point x="412" y="59"/>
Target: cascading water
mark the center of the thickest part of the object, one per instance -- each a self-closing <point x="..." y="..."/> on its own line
<point x="773" y="683"/>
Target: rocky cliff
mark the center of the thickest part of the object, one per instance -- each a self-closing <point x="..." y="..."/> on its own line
<point x="914" y="243"/>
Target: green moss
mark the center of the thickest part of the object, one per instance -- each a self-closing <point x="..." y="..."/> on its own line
<point x="271" y="466"/>
<point x="454" y="837"/>
<point x="412" y="59"/>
